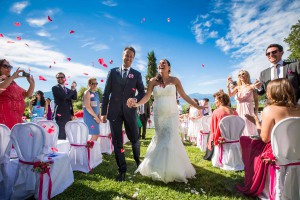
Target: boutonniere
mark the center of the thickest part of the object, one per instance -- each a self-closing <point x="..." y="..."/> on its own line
<point x="130" y="76"/>
<point x="290" y="71"/>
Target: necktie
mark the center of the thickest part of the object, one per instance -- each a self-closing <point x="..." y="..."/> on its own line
<point x="124" y="74"/>
<point x="65" y="89"/>
<point x="276" y="71"/>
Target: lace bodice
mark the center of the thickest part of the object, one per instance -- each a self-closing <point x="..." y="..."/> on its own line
<point x="165" y="100"/>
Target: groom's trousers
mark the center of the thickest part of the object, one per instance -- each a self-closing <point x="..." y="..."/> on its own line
<point x="132" y="132"/>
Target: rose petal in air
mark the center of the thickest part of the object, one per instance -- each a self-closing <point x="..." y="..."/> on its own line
<point x="101" y="61"/>
<point x="101" y="80"/>
<point x="122" y="150"/>
<point x="105" y="65"/>
<point x="72" y="31"/>
<point x="111" y="61"/>
<point x="202" y="65"/>
<point x="50" y="66"/>
<point x="69" y="59"/>
<point x="42" y="78"/>
<point x="19" y="38"/>
<point x="92" y="126"/>
<point x="26" y="44"/>
<point x="49" y="18"/>
<point x="85" y="74"/>
<point x="168" y="19"/>
<point x="58" y="114"/>
<point x="1" y="35"/>
<point x="17" y="24"/>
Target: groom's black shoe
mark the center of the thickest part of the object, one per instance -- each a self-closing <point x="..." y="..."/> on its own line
<point x="138" y="163"/>
<point x="121" y="177"/>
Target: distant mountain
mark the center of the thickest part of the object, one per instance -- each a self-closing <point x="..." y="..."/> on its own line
<point x="48" y="95"/>
<point x="201" y="96"/>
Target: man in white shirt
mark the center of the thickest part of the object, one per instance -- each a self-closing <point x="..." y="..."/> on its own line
<point x="278" y="69"/>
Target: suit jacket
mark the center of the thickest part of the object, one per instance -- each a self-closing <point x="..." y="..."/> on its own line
<point x="117" y="91"/>
<point x="63" y="101"/>
<point x="291" y="71"/>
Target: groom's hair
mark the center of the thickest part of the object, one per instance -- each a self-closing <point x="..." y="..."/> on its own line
<point x="129" y="48"/>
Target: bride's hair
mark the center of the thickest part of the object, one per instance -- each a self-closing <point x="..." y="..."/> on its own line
<point x="158" y="77"/>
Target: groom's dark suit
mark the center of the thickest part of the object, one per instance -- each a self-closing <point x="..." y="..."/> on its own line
<point x="291" y="71"/>
<point x="116" y="93"/>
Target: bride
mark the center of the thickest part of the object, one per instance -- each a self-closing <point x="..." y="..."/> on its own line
<point x="166" y="159"/>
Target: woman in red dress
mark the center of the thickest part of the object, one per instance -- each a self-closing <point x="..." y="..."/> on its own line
<point x="12" y="104"/>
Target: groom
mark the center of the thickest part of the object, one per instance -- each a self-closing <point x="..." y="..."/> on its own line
<point x="121" y="84"/>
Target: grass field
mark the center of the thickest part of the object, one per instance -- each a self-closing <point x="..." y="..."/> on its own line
<point x="210" y="182"/>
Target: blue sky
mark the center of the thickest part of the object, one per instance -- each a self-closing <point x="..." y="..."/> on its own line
<point x="225" y="36"/>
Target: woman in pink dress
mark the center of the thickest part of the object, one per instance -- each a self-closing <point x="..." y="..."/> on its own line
<point x="12" y="104"/>
<point x="256" y="152"/>
<point x="245" y="96"/>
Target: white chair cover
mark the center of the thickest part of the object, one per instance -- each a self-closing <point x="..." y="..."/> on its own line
<point x="228" y="156"/>
<point x="37" y="119"/>
<point x="285" y="174"/>
<point x="28" y="140"/>
<point x="51" y="131"/>
<point x="204" y="131"/>
<point x="105" y="138"/>
<point x="150" y="122"/>
<point x="5" y="178"/>
<point x="77" y="134"/>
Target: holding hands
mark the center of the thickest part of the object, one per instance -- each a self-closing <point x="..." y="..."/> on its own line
<point x="132" y="103"/>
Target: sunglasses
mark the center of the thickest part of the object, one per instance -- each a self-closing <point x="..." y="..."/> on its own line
<point x="94" y="83"/>
<point x="242" y="74"/>
<point x="60" y="77"/>
<point x="271" y="52"/>
<point x="7" y="66"/>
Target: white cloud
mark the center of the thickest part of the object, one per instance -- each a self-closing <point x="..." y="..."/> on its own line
<point x="37" y="22"/>
<point x="141" y="64"/>
<point x="19" y="7"/>
<point x="43" y="33"/>
<point x="255" y="25"/>
<point x="213" y="34"/>
<point x="110" y="3"/>
<point x="99" y="47"/>
<point x="39" y="57"/>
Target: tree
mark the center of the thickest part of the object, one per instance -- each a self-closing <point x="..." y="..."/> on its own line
<point x="293" y="40"/>
<point x="152" y="67"/>
<point x="78" y="103"/>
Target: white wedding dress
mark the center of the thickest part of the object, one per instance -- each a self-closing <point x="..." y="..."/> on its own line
<point x="166" y="159"/>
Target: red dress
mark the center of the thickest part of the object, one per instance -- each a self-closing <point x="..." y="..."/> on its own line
<point x="12" y="105"/>
<point x="215" y="132"/>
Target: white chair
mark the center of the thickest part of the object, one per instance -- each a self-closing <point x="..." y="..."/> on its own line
<point x="82" y="157"/>
<point x="203" y="135"/>
<point x="28" y="140"/>
<point x="36" y="119"/>
<point x="51" y="131"/>
<point x="105" y="138"/>
<point x="6" y="178"/>
<point x="285" y="173"/>
<point x="227" y="155"/>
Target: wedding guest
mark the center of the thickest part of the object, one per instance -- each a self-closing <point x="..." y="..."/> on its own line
<point x="256" y="152"/>
<point x="194" y="122"/>
<point x="278" y="69"/>
<point x="245" y="96"/>
<point x="179" y="107"/>
<point x="222" y="102"/>
<point x="63" y="97"/>
<point x="49" y="113"/>
<point x="12" y="95"/>
<point x="205" y="102"/>
<point x="38" y="106"/>
<point x="91" y="108"/>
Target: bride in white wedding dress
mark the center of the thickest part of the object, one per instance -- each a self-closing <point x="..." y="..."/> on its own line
<point x="166" y="159"/>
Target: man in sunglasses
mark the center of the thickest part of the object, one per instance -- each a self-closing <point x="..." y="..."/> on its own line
<point x="278" y="69"/>
<point x="63" y="111"/>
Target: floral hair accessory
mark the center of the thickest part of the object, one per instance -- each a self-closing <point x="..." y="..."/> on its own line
<point x="90" y="144"/>
<point x="130" y="76"/>
<point x="41" y="167"/>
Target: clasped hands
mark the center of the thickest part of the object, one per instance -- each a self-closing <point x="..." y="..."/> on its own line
<point x="132" y="103"/>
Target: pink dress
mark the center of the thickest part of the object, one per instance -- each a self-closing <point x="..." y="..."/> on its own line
<point x="244" y="106"/>
<point x="12" y="105"/>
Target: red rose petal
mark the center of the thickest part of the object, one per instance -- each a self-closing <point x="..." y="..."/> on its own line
<point x="101" y="61"/>
<point x="19" y="38"/>
<point x="58" y="114"/>
<point x="111" y="61"/>
<point x="122" y="150"/>
<point x="72" y="31"/>
<point x="133" y="89"/>
<point x="202" y="65"/>
<point x="50" y="66"/>
<point x="17" y="24"/>
<point x="101" y="80"/>
<point x="54" y="149"/>
<point x="69" y="59"/>
<point x="49" y="18"/>
<point x="85" y="74"/>
<point x="1" y="35"/>
<point x="105" y="65"/>
<point x="42" y="78"/>
<point x="92" y="126"/>
<point x="30" y="134"/>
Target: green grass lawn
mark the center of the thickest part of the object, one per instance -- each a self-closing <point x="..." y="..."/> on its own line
<point x="210" y="182"/>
